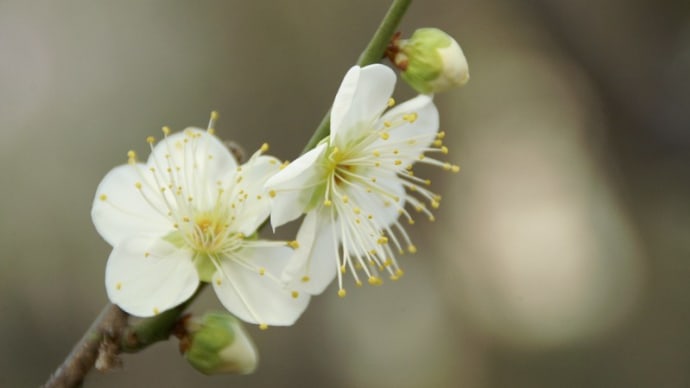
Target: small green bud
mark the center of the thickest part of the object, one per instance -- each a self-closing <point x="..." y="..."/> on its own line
<point x="431" y="61"/>
<point x="217" y="343"/>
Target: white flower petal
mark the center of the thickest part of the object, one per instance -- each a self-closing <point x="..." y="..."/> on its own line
<point x="361" y="98"/>
<point x="294" y="186"/>
<point x="255" y="298"/>
<point x="193" y="159"/>
<point x="423" y="130"/>
<point x="120" y="210"/>
<point x="148" y="275"/>
<point x="384" y="209"/>
<point x="313" y="265"/>
<point x="248" y="186"/>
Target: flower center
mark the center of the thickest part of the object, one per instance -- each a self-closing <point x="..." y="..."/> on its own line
<point x="210" y="225"/>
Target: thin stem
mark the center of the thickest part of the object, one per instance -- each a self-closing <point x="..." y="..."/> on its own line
<point x="83" y="357"/>
<point x="110" y="335"/>
<point x="373" y="53"/>
<point x="151" y="330"/>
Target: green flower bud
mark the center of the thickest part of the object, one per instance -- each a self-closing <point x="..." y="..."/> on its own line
<point x="217" y="343"/>
<point x="431" y="61"/>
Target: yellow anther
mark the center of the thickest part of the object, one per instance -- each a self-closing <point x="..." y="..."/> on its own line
<point x="118" y="286"/>
<point x="437" y="143"/>
<point x="375" y="281"/>
<point x="147" y="254"/>
<point x="410" y="221"/>
<point x="166" y="130"/>
<point x="264" y="147"/>
<point x="214" y="115"/>
<point x="156" y="311"/>
<point x="357" y="210"/>
<point x="411" y="248"/>
<point x="211" y="131"/>
<point x="272" y="193"/>
<point x="327" y="202"/>
<point x="441" y="135"/>
<point x="394" y="277"/>
<point x="285" y="164"/>
<point x="382" y="240"/>
<point x="103" y="197"/>
<point x="370" y="217"/>
<point x="395" y="152"/>
<point x="258" y="196"/>
<point x="138" y="185"/>
<point x="305" y="279"/>
<point x="219" y="281"/>
<point x="150" y="139"/>
<point x="263" y="326"/>
<point x="391" y="102"/>
<point x="293" y="244"/>
<point x="410" y="117"/>
<point x="432" y="218"/>
<point x="455" y="168"/>
<point x="294" y="294"/>
<point x="358" y="283"/>
<point x="388" y="262"/>
<point x="373" y="179"/>
<point x="343" y="269"/>
<point x="444" y="150"/>
<point x="399" y="272"/>
<point x="345" y="199"/>
<point x="342" y="293"/>
<point x="262" y="271"/>
<point x="397" y="162"/>
<point x="447" y="166"/>
<point x="385" y="135"/>
<point x="435" y="204"/>
<point x="421" y="157"/>
<point x="185" y="219"/>
<point x="378" y="164"/>
<point x="387" y="124"/>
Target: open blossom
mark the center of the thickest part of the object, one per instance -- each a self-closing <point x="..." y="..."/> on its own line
<point x="352" y="186"/>
<point x="190" y="214"/>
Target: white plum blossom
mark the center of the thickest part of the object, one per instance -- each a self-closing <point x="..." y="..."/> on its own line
<point x="352" y="185"/>
<point x="190" y="215"/>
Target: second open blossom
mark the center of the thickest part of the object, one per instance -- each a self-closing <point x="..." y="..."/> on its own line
<point x="355" y="184"/>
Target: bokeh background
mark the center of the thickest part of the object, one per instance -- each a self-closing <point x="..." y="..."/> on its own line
<point x="561" y="253"/>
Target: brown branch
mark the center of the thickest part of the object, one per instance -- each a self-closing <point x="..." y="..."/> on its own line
<point x="97" y="347"/>
<point x="109" y="335"/>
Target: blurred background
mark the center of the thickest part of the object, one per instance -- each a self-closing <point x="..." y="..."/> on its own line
<point x="561" y="253"/>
